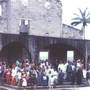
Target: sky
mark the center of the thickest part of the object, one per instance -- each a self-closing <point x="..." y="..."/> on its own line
<point x="71" y="6"/>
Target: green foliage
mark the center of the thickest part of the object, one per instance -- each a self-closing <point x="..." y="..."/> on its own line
<point x="83" y="17"/>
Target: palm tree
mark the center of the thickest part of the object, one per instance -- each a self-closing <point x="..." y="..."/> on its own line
<point x="82" y="18"/>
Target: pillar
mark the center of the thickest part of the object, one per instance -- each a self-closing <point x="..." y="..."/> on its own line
<point x="33" y="49"/>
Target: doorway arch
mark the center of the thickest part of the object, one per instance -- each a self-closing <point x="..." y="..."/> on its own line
<point x="14" y="51"/>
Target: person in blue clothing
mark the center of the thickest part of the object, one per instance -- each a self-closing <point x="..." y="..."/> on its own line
<point x="73" y="78"/>
<point x="39" y="77"/>
<point x="69" y="71"/>
<point x="79" y="75"/>
<point x="60" y="77"/>
<point x="44" y="79"/>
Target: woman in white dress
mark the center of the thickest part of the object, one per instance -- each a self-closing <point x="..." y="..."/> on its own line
<point x="24" y="80"/>
<point x="13" y="75"/>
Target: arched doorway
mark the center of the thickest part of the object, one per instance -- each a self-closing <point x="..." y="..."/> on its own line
<point x="14" y="51"/>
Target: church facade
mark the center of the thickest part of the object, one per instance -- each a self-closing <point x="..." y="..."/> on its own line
<point x="28" y="27"/>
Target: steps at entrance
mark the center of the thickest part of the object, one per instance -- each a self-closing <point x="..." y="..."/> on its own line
<point x="65" y="87"/>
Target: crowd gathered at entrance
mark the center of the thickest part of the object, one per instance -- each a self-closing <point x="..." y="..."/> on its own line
<point x="24" y="73"/>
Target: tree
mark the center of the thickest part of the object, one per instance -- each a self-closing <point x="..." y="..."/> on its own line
<point x="82" y="18"/>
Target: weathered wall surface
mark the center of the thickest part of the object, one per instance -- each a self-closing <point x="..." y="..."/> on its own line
<point x="70" y="32"/>
<point x="3" y="17"/>
<point x="44" y="16"/>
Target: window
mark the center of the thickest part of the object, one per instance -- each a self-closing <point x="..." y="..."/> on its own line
<point x="26" y="22"/>
<point x="43" y="55"/>
<point x="0" y="10"/>
<point x="24" y="25"/>
<point x="70" y="55"/>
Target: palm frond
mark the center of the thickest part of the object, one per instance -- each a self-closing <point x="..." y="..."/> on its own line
<point x="81" y="12"/>
<point x="75" y="23"/>
<point x="75" y="14"/>
<point x="84" y="12"/>
<point x="77" y="18"/>
<point x="82" y="18"/>
<point x="88" y="21"/>
<point x="88" y="18"/>
<point x="88" y="15"/>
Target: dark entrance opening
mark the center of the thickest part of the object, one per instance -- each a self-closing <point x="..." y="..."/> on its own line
<point x="58" y="52"/>
<point x="14" y="51"/>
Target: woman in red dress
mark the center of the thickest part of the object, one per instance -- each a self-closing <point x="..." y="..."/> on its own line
<point x="13" y="75"/>
<point x="8" y="75"/>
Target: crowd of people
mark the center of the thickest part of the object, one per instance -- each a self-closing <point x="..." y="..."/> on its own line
<point x="24" y="73"/>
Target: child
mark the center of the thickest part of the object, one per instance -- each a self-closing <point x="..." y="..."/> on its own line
<point x="24" y="79"/>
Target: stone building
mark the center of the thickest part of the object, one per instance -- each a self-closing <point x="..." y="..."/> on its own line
<point x="30" y="26"/>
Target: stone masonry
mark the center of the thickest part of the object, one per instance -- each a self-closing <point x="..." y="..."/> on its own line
<point x="43" y="18"/>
